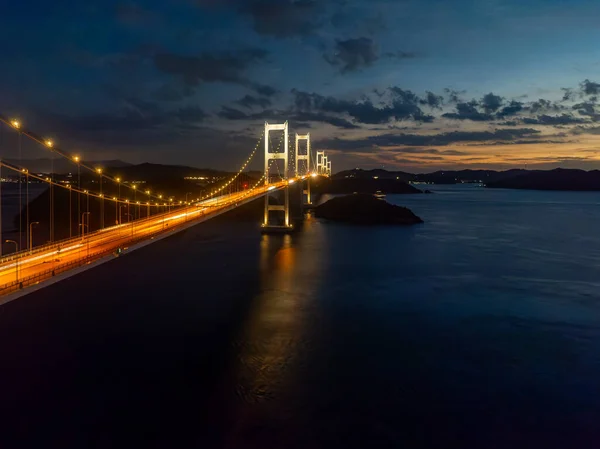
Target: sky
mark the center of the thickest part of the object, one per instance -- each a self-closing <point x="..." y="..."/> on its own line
<point x="414" y="85"/>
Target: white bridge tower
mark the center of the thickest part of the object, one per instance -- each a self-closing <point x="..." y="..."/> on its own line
<point x="303" y="157"/>
<point x="269" y="157"/>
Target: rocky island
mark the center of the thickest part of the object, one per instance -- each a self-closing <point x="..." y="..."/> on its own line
<point x="365" y="209"/>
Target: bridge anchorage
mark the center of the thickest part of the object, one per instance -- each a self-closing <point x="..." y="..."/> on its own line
<point x="306" y="199"/>
<point x="279" y="223"/>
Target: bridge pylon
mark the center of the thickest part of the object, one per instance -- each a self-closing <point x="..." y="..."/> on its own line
<point x="268" y="224"/>
<point x="320" y="162"/>
<point x="303" y="157"/>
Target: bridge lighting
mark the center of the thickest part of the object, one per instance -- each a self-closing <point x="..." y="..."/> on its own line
<point x="76" y="158"/>
<point x="16" y="124"/>
<point x="314" y="175"/>
<point x="99" y="170"/>
<point x="118" y="179"/>
<point x="49" y="143"/>
<point x="134" y="187"/>
<point x="291" y="181"/>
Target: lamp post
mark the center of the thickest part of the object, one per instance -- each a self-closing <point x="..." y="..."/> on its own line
<point x="31" y="235"/>
<point x="116" y="210"/>
<point x="76" y="159"/>
<point x="99" y="171"/>
<point x="134" y="195"/>
<point x="50" y="144"/>
<point x="70" y="213"/>
<point x="17" y="261"/>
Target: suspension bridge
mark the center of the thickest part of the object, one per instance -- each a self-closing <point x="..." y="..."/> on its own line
<point x="150" y="215"/>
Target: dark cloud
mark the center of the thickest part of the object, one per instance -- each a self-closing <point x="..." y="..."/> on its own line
<point x="468" y="111"/>
<point x="250" y="102"/>
<point x="564" y="119"/>
<point x="514" y="107"/>
<point x="230" y="113"/>
<point x="193" y="70"/>
<point x="491" y="103"/>
<point x="432" y="100"/>
<point x="403" y="105"/>
<point x="542" y="105"/>
<point x="353" y="54"/>
<point x="189" y="114"/>
<point x="590" y="88"/>
<point x="568" y="93"/>
<point x="454" y="96"/>
<point x="284" y="18"/>
<point x="391" y="140"/>
<point x="264" y="90"/>
<point x="587" y="108"/>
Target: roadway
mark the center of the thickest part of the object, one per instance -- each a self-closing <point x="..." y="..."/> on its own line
<point x="27" y="265"/>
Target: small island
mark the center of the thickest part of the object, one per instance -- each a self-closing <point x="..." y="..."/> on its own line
<point x="365" y="209"/>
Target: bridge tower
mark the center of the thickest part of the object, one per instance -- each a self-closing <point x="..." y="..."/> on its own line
<point x="269" y="157"/>
<point x="320" y="164"/>
<point x="304" y="157"/>
<point x="328" y="167"/>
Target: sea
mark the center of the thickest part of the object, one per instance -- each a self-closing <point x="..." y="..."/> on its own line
<point x="478" y="329"/>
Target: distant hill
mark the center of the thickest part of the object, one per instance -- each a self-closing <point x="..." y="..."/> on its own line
<point x="458" y="176"/>
<point x="359" y="173"/>
<point x="62" y="165"/>
<point x="438" y="177"/>
<point x="558" y="179"/>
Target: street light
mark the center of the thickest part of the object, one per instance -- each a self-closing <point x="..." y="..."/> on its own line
<point x="99" y="171"/>
<point x="134" y="194"/>
<point x="31" y="235"/>
<point x="17" y="261"/>
<point x="77" y="159"/>
<point x="119" y="184"/>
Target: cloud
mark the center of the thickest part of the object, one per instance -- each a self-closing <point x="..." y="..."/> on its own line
<point x="542" y="105"/>
<point x="226" y="67"/>
<point x="371" y="143"/>
<point x="264" y="90"/>
<point x="284" y="18"/>
<point x="564" y="119"/>
<point x="353" y="54"/>
<point x="250" y="102"/>
<point x="402" y="105"/>
<point x="230" y="113"/>
<point x="432" y="100"/>
<point x="590" y="88"/>
<point x="568" y="93"/>
<point x="491" y="103"/>
<point x="514" y="107"/>
<point x="468" y="111"/>
<point x="454" y="96"/>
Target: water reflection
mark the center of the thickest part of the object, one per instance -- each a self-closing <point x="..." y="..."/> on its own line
<point x="274" y="335"/>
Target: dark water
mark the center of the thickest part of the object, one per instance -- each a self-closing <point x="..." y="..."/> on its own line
<point x="478" y="329"/>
